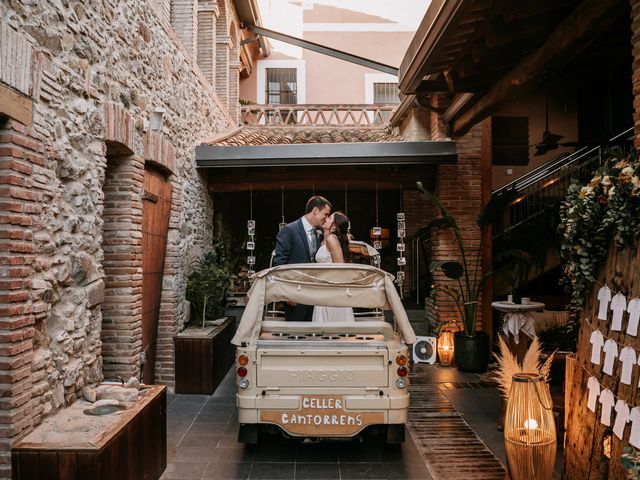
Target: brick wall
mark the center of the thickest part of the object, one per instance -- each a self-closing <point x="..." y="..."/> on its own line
<point x="23" y="189"/>
<point x="459" y="189"/>
<point x="207" y="15"/>
<point x="184" y="19"/>
<point x="122" y="247"/>
<point x="222" y="54"/>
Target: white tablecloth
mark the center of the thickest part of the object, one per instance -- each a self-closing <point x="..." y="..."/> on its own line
<point x="518" y="318"/>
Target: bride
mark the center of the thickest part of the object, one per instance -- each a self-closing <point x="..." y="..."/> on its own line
<point x="334" y="249"/>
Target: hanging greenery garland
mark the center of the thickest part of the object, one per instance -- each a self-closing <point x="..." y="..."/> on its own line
<point x="592" y="214"/>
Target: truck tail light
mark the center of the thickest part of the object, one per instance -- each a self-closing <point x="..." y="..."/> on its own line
<point x="402" y="371"/>
<point x="242" y="372"/>
<point x="401" y="360"/>
<point x="243" y="360"/>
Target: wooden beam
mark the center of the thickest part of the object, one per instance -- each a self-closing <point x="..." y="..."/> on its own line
<point x="425" y="46"/>
<point x="487" y="235"/>
<point x="15" y="105"/>
<point x="520" y="10"/>
<point x="591" y="19"/>
<point x="500" y="34"/>
<point x="332" y="178"/>
<point x="438" y="84"/>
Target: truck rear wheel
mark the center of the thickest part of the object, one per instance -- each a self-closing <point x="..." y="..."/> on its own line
<point x="395" y="433"/>
<point x="248" y="434"/>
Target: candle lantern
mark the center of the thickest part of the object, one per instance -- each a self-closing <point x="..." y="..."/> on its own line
<point x="529" y="429"/>
<point x="445" y="348"/>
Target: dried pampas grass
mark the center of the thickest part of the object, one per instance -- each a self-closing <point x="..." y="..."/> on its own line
<point x="508" y="364"/>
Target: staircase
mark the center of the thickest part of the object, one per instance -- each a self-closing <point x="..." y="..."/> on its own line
<point x="532" y="216"/>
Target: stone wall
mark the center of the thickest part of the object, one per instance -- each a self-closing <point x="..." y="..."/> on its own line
<point x="70" y="187"/>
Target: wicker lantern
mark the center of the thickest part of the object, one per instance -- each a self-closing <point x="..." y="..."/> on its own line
<point x="445" y="348"/>
<point x="529" y="429"/>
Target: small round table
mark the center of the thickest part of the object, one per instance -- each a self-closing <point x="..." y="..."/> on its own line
<point x="519" y="329"/>
<point x="518" y="324"/>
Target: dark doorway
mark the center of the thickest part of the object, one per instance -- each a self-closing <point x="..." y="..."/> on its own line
<point x="233" y="209"/>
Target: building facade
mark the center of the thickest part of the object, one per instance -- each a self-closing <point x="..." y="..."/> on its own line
<point x="101" y="107"/>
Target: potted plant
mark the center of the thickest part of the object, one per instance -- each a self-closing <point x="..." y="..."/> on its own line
<point x="471" y="346"/>
<point x="203" y="352"/>
<point x="207" y="286"/>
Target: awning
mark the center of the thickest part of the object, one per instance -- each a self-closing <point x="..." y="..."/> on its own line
<point x="297" y="146"/>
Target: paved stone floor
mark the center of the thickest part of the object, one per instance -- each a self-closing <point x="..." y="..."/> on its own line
<point x="201" y="444"/>
<point x="202" y="430"/>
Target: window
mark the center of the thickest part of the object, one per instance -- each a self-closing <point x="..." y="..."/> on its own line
<point x="510" y="140"/>
<point x="281" y="86"/>
<point x="384" y="93"/>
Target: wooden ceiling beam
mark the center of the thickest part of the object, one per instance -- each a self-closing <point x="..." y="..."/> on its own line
<point x="500" y="34"/>
<point x="525" y="9"/>
<point x="357" y="178"/>
<point x="437" y="85"/>
<point x="574" y="34"/>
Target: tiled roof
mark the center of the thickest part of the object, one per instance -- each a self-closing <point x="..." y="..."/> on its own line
<point x="256" y="136"/>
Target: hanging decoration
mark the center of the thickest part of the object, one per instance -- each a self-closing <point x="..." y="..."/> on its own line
<point x="616" y="355"/>
<point x="251" y="239"/>
<point x="282" y="223"/>
<point x="400" y="247"/>
<point x="346" y="210"/>
<point x="593" y="214"/>
<point x="376" y="232"/>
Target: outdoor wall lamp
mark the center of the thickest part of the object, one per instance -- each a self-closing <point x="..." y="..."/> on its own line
<point x="156" y="118"/>
<point x="529" y="429"/>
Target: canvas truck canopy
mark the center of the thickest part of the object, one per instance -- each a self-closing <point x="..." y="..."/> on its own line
<point x="328" y="285"/>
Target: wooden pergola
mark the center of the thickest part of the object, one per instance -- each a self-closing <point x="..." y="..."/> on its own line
<point x="482" y="54"/>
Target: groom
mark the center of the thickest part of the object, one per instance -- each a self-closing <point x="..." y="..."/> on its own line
<point x="298" y="242"/>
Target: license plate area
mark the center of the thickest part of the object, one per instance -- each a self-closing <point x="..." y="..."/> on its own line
<point x="321" y="415"/>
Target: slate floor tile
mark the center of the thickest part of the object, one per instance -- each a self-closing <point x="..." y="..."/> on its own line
<point x="229" y="471"/>
<point x="184" y="470"/>
<point x="272" y="470"/>
<point x="317" y="471"/>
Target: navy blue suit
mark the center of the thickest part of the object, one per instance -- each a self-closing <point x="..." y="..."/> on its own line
<point x="292" y="246"/>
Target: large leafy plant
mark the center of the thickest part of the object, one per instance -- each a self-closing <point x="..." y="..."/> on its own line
<point x="466" y="272"/>
<point x="593" y="214"/>
<point x="208" y="284"/>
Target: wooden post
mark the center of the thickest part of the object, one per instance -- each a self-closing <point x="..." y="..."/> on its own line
<point x="584" y="455"/>
<point x="487" y="234"/>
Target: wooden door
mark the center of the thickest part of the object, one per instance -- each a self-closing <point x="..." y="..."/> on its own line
<point x="156" y="208"/>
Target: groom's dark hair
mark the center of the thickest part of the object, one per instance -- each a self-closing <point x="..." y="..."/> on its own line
<point x="317" y="201"/>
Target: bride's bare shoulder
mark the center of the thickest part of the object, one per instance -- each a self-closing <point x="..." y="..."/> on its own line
<point x="332" y="240"/>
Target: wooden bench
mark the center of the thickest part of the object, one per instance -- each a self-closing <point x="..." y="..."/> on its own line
<point x="133" y="447"/>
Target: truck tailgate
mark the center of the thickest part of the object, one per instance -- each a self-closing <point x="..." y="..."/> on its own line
<point x="322" y="368"/>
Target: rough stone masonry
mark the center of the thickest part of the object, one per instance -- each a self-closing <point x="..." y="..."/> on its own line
<point x="93" y="72"/>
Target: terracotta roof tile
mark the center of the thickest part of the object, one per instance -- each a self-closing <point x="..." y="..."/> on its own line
<point x="255" y="136"/>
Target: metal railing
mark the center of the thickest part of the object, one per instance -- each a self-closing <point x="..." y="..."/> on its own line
<point x="356" y="115"/>
<point x="545" y="186"/>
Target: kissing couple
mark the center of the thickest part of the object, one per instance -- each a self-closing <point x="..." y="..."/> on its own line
<point x="318" y="236"/>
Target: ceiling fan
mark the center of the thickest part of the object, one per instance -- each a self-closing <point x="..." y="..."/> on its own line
<point x="549" y="140"/>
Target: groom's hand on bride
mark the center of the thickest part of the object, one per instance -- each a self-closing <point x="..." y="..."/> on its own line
<point x="293" y="304"/>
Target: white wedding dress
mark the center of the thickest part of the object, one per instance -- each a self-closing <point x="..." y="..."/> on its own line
<point x="330" y="314"/>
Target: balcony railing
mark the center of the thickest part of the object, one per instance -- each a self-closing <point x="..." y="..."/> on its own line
<point x="545" y="186"/>
<point x="317" y="115"/>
